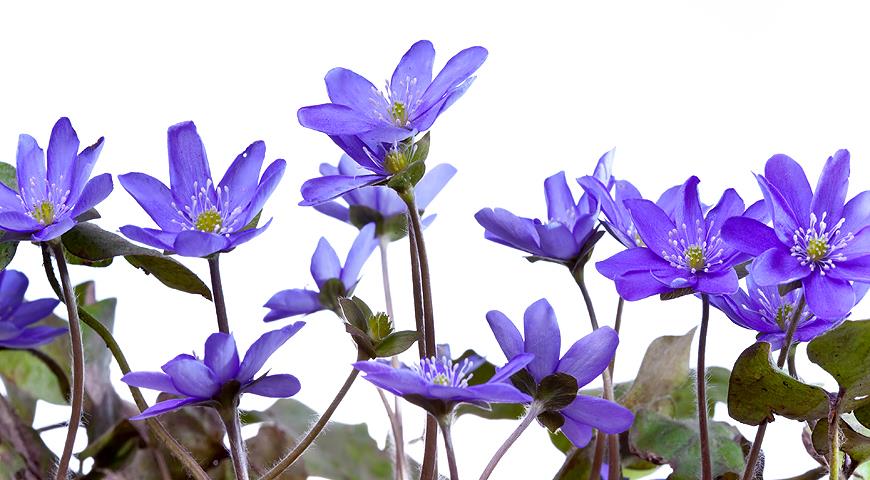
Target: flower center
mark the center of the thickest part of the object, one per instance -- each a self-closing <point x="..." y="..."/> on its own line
<point x="444" y="372"/>
<point x="43" y="213"/>
<point x="398" y="105"/>
<point x="695" y="257"/>
<point x="693" y="252"/>
<point x="209" y="221"/>
<point x="395" y="160"/>
<point x="783" y="315"/>
<point x="817" y="246"/>
<point x="399" y="114"/>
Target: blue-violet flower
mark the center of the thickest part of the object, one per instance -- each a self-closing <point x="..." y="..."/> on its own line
<point x="16" y="314"/>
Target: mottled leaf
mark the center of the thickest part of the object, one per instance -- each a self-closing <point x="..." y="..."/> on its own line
<point x="665" y="367"/>
<point x="37" y="375"/>
<point x="844" y="352"/>
<point x="8" y="176"/>
<point x="23" y="455"/>
<point x="396" y="343"/>
<point x="7" y="252"/>
<point x="855" y="445"/>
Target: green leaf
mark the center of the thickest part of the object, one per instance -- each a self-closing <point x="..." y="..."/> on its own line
<point x="421" y="148"/>
<point x="36" y="374"/>
<point x="91" y="243"/>
<point x="684" y="400"/>
<point x="662" y="440"/>
<point x="855" y="445"/>
<point x="8" y="176"/>
<point x="665" y="368"/>
<point x="758" y="390"/>
<point x="578" y="461"/>
<point x="844" y="352"/>
<point x="352" y="314"/>
<point x="7" y="252"/>
<point x="396" y="343"/>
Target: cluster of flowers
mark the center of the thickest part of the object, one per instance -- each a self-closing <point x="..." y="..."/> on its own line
<point x="818" y="243"/>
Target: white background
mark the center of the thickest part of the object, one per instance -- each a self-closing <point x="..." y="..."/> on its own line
<point x="680" y="88"/>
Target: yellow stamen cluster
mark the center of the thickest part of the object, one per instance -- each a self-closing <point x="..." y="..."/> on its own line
<point x="209" y="221"/>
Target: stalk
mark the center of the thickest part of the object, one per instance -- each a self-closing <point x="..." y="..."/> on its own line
<point x="700" y="372"/>
<point x="217" y="291"/>
<point x="396" y="414"/>
<point x="836" y="456"/>
<point x="533" y="412"/>
<point x="238" y="455"/>
<point x="448" y="447"/>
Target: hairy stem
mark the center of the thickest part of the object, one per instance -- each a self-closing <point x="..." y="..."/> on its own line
<point x="784" y="354"/>
<point x="77" y="392"/>
<point x="155" y="426"/>
<point x="418" y="294"/>
<point x="533" y="412"/>
<point x="448" y="447"/>
<point x="425" y="279"/>
<point x="217" y="292"/>
<point x="835" y="459"/>
<point x="396" y="414"/>
<point x="306" y="442"/>
<point x="700" y="372"/>
<point x="238" y="455"/>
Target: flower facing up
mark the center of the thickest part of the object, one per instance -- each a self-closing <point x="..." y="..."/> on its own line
<point x="333" y="280"/>
<point x="381" y="205"/>
<point x="575" y="414"/>
<point x="438" y="384"/>
<point x="219" y="377"/>
<point x="767" y="312"/>
<point x="682" y="251"/>
<point x="16" y="314"/>
<point x="411" y="103"/>
<point x="51" y="197"/>
<point x="195" y="216"/>
<point x="570" y="224"/>
<point x="817" y="238"/>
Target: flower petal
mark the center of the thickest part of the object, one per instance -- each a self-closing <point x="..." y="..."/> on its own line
<point x="789" y="179"/>
<point x="854" y="269"/>
<point x="749" y="236"/>
<point x="221" y="356"/>
<point x="28" y="312"/>
<point x="730" y="205"/>
<point x="776" y="266"/>
<point x="152" y="380"/>
<point x="359" y="252"/>
<point x="333" y="119"/>
<point x="13" y="285"/>
<point x="348" y="88"/>
<point x="33" y="337"/>
<point x="506" y="334"/>
<point x="63" y="147"/>
<point x="288" y="303"/>
<point x="165" y="406"/>
<point x="95" y="191"/>
<point x="578" y="433"/>
<point x="275" y="386"/>
<point x="560" y="200"/>
<point x="828" y="298"/>
<point x="19" y="222"/>
<point x="268" y="182"/>
<point x="498" y="393"/>
<point x="30" y="169"/>
<point x="240" y="180"/>
<point x="722" y="282"/>
<point x="413" y="74"/>
<point x="607" y="416"/>
<point x="195" y="243"/>
<point x="192" y="377"/>
<point x="831" y="190"/>
<point x="150" y="237"/>
<point x="398" y="381"/>
<point x="514" y="231"/>
<point x="82" y="168"/>
<point x="54" y="230"/>
<point x="432" y="183"/>
<point x="638" y="285"/>
<point x="334" y="210"/>
<point x="857" y="212"/>
<point x="631" y="260"/>
<point x="784" y="220"/>
<point x="153" y="196"/>
<point x="322" y="189"/>
<point x="542" y="338"/>
<point x="188" y="163"/>
<point x="455" y="73"/>
<point x="652" y="224"/>
<point x="507" y="370"/>
<point x="590" y="355"/>
<point x="263" y="348"/>
<point x="325" y="264"/>
<point x="689" y="215"/>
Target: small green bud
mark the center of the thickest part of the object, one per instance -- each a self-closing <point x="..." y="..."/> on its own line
<point x="396" y="160"/>
<point x="380" y="326"/>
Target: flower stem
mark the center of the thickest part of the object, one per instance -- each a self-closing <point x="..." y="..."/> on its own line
<point x="587" y="299"/>
<point x="425" y="279"/>
<point x="396" y="414"/>
<point x="533" y="412"/>
<point x="448" y="447"/>
<point x="418" y="294"/>
<point x="836" y="456"/>
<point x="217" y="291"/>
<point x="700" y="372"/>
<point x="784" y="354"/>
<point x="306" y="442"/>
<point x="78" y="361"/>
<point x="238" y="455"/>
<point x="156" y="427"/>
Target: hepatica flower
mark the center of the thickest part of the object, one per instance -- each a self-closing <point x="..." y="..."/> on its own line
<point x="196" y="216"/>
<point x="17" y="315"/>
<point x="381" y="205"/>
<point x="218" y="376"/>
<point x="438" y="384"/>
<point x="51" y="197"/>
<point x="411" y="102"/>
<point x="570" y="223"/>
<point x="584" y="361"/>
<point x="817" y="238"/>
<point x="684" y="250"/>
<point x="333" y="280"/>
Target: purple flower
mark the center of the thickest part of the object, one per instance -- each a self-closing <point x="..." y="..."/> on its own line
<point x="412" y="102"/>
<point x="196" y="216"/>
<point x="380" y="204"/>
<point x="438" y="384"/>
<point x="817" y="238"/>
<point x="51" y="198"/>
<point x="16" y="314"/>
<point x="584" y="361"/>
<point x="206" y="381"/>
<point x="684" y="250"/>
<point x="333" y="280"/>
<point x="570" y="224"/>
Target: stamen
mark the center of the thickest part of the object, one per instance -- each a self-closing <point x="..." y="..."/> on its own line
<point x="444" y="372"/>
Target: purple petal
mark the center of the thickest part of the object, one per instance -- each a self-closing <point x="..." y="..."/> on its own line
<point x="515" y="364"/>
<point x="560" y="200"/>
<point x="359" y="252"/>
<point x="455" y="73"/>
<point x="13" y="285"/>
<point x="27" y="312"/>
<point x="789" y="179"/>
<point x="749" y="236"/>
<point x="346" y="87"/>
<point x="152" y="380"/>
<point x="828" y="298"/>
<point x="498" y="393"/>
<point x="631" y="260"/>
<point x="221" y="356"/>
<point x="82" y="168"/>
<point x="398" y="381"/>
<point x="241" y="178"/>
<point x="638" y="285"/>
<point x="322" y="189"/>
<point x="63" y="147"/>
<point x="542" y="338"/>
<point x="33" y="337"/>
<point x="9" y="200"/>
<point x="30" y="167"/>
<point x="150" y="237"/>
<point x="275" y="386"/>
<point x="288" y="303"/>
<point x="188" y="163"/>
<point x="784" y="220"/>
<point x="414" y="72"/>
<point x="195" y="243"/>
<point x="512" y="230"/>
<point x="557" y="241"/>
<point x="334" y="210"/>
<point x="269" y="181"/>
<point x="688" y="213"/>
<point x="192" y="378"/>
<point x="857" y="212"/>
<point x="831" y="190"/>
<point x="325" y="264"/>
<point x="238" y="238"/>
<point x="263" y="348"/>
<point x="578" y="433"/>
<point x="652" y="224"/>
<point x="165" y="406"/>
<point x="153" y="196"/>
<point x="856" y="270"/>
<point x="669" y="200"/>
<point x="722" y="282"/>
<point x="432" y="183"/>
<point x="607" y="416"/>
<point x="730" y="205"/>
<point x="506" y="334"/>
<point x="776" y="266"/>
<point x="54" y="230"/>
<point x="333" y="119"/>
<point x="95" y="191"/>
<point x="590" y="355"/>
<point x="859" y="246"/>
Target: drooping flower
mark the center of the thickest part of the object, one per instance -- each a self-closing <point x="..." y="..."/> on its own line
<point x="50" y="198"/>
<point x="437" y="384"/>
<point x="333" y="280"/>
<point x="570" y="224"/>
<point x="208" y="381"/>
<point x="584" y="361"/>
<point x="17" y="315"/>
<point x="684" y="250"/>
<point x="381" y="205"/>
<point x="817" y="238"/>
<point x="767" y="312"/>
<point x="411" y="103"/>
<point x="195" y="216"/>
